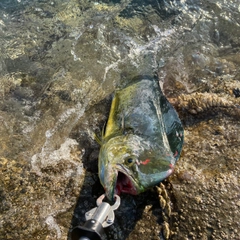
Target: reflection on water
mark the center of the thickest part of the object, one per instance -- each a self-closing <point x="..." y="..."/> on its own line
<point x="59" y="63"/>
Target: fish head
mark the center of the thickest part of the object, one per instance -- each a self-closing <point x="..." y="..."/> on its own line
<point x="132" y="164"/>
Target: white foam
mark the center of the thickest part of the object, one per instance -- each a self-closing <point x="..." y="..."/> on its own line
<point x="64" y="153"/>
<point x="52" y="225"/>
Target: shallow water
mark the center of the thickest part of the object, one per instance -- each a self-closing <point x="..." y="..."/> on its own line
<point x="60" y="62"/>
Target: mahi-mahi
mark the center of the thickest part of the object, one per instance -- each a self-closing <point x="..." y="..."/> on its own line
<point x="142" y="141"/>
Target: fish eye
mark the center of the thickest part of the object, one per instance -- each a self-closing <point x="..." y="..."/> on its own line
<point x="129" y="160"/>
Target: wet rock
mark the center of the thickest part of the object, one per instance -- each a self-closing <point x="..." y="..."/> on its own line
<point x="236" y="92"/>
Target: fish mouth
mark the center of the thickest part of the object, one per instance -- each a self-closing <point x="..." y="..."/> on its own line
<point x="125" y="184"/>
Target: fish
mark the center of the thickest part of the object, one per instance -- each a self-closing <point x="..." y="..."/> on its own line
<point x="142" y="141"/>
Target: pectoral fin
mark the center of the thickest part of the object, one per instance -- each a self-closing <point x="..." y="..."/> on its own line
<point x="97" y="139"/>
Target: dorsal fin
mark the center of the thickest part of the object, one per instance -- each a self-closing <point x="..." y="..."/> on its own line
<point x="112" y="126"/>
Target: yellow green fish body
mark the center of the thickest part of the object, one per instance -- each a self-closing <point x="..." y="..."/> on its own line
<point x="142" y="141"/>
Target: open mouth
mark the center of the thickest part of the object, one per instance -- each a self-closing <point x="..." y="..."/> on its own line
<point x="124" y="184"/>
